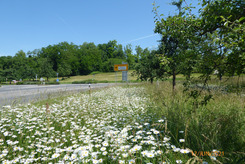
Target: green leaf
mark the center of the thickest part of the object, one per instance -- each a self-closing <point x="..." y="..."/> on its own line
<point x="236" y="29"/>
<point x="222" y="18"/>
<point x="241" y="19"/>
<point x="226" y="24"/>
<point x="229" y="16"/>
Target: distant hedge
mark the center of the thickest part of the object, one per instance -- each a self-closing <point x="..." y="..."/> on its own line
<point x="36" y="83"/>
<point x="89" y="81"/>
<point x="28" y="83"/>
<point x="52" y="83"/>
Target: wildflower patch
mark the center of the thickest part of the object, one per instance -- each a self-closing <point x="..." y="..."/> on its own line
<point x="107" y="126"/>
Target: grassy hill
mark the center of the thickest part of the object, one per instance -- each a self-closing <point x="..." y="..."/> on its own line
<point x="109" y="76"/>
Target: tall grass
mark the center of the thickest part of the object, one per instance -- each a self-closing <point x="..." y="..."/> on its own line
<point x="219" y="125"/>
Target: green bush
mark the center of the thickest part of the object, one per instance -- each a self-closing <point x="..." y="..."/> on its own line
<point x="28" y="83"/>
<point x="95" y="72"/>
<point x="103" y="81"/>
<point x="32" y="82"/>
<point x="52" y="83"/>
<point x="89" y="81"/>
<point x="20" y="83"/>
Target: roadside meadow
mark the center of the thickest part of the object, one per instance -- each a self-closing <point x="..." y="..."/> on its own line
<point x="143" y="123"/>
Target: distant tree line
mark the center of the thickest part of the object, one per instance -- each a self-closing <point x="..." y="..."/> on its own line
<point x="68" y="59"/>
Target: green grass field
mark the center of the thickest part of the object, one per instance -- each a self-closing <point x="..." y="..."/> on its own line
<point x="110" y="77"/>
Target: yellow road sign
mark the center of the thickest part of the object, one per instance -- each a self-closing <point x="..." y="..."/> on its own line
<point x="120" y="67"/>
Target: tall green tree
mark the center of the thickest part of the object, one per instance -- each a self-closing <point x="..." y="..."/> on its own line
<point x="222" y="32"/>
<point x="46" y="68"/>
<point x="149" y="67"/>
<point x="32" y="61"/>
<point x="109" y="50"/>
<point x="130" y="58"/>
<point x="178" y="39"/>
<point x="139" y="52"/>
<point x="64" y="69"/>
<point x="20" y="65"/>
<point x="7" y="71"/>
<point x="90" y="58"/>
<point x="118" y="53"/>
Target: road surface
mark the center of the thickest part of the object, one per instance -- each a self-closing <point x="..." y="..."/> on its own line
<point x="18" y="94"/>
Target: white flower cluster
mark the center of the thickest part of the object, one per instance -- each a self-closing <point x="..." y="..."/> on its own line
<point x="107" y="126"/>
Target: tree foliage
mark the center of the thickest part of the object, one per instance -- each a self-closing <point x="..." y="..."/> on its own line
<point x="223" y="23"/>
<point x="67" y="59"/>
<point x="212" y="41"/>
<point x="178" y="43"/>
<point x="149" y="67"/>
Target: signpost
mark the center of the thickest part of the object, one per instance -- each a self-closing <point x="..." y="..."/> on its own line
<point x="125" y="73"/>
<point x="121" y="67"/>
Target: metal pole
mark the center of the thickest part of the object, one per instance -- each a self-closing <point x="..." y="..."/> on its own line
<point x="89" y="89"/>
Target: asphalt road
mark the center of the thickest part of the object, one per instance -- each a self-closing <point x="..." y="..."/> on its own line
<point x="19" y="94"/>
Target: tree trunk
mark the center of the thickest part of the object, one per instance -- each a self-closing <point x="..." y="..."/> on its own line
<point x="174" y="79"/>
<point x="220" y="76"/>
<point x="151" y="80"/>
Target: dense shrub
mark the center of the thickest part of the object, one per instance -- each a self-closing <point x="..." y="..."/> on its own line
<point x="28" y="83"/>
<point x="20" y="83"/>
<point x="52" y="83"/>
<point x="89" y="81"/>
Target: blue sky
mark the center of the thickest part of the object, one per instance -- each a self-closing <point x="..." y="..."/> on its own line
<point x="32" y="24"/>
